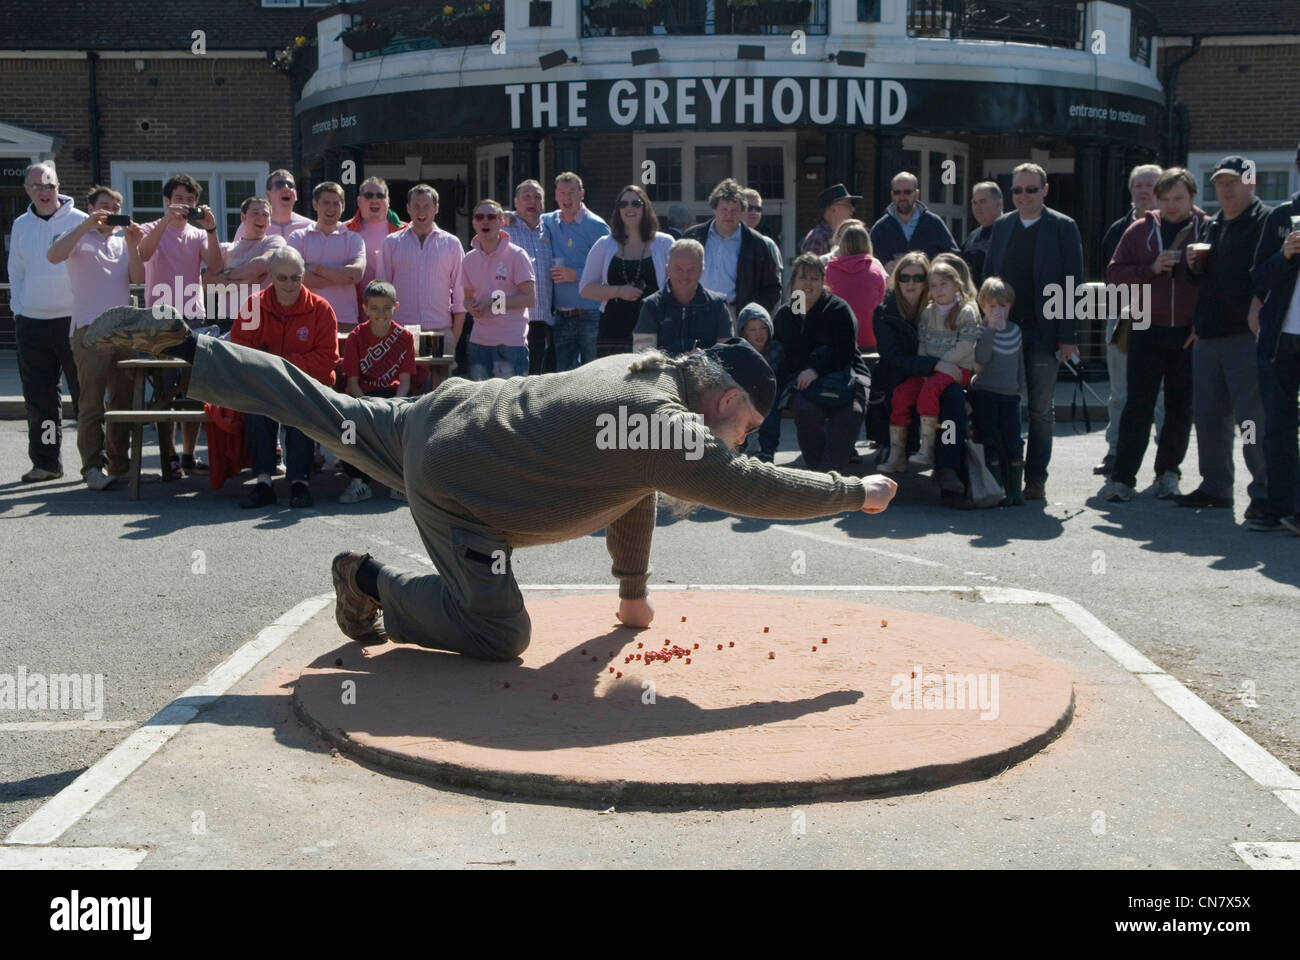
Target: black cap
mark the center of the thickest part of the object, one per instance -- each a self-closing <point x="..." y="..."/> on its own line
<point x="748" y="368"/>
<point x="1231" y="164"/>
<point x="833" y="193"/>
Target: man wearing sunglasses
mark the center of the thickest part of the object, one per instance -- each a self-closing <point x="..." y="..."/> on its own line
<point x="283" y="194"/>
<point x="42" y="303"/>
<point x="1032" y="247"/>
<point x="907" y="225"/>
<point x="374" y="220"/>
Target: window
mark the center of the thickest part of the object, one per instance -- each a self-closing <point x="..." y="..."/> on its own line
<point x="941" y="166"/>
<point x="495" y="166"/>
<point x="688" y="166"/>
<point x="869" y="11"/>
<point x="1276" y="178"/>
<point x="225" y="187"/>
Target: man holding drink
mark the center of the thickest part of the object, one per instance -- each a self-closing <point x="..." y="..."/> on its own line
<point x="1225" y="379"/>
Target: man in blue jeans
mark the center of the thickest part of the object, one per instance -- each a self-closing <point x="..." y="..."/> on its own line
<point x="573" y="230"/>
<point x="1032" y="248"/>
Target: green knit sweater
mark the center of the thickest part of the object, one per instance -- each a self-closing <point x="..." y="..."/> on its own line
<point x="531" y="457"/>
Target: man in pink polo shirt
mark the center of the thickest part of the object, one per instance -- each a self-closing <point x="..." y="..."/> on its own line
<point x="245" y="260"/>
<point x="500" y="286"/>
<point x="423" y="262"/>
<point x="101" y="267"/>
<point x="335" y="256"/>
<point x="374" y="224"/>
<point x="174" y="250"/>
<point x="282" y="193"/>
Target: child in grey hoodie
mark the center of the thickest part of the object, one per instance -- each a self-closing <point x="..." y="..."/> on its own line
<point x="754" y="323"/>
<point x="996" y="388"/>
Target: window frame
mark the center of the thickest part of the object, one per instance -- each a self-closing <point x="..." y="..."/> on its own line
<point x="1203" y="162"/>
<point x="739" y="141"/>
<point x="123" y="172"/>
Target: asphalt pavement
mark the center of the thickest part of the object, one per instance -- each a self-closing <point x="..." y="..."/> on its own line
<point x="153" y="595"/>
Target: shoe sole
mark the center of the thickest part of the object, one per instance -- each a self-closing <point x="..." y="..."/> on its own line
<point x="341" y="586"/>
<point x="138" y="328"/>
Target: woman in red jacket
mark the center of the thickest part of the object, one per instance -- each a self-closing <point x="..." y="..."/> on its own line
<point x="857" y="278"/>
<point x="288" y="320"/>
<point x="1152" y="260"/>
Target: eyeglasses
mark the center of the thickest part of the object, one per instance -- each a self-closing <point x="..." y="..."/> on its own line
<point x="282" y="185"/>
<point x="41" y="186"/>
<point x="911" y="278"/>
<point x="1029" y="190"/>
<point x="630" y="203"/>
<point x="485" y="216"/>
<point x="286" y="277"/>
<point x="369" y="195"/>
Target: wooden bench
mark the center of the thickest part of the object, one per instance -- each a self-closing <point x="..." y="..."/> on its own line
<point x="165" y="410"/>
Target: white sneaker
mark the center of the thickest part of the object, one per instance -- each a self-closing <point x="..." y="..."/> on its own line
<point x="96" y="479"/>
<point x="1167" y="485"/>
<point x="1117" y="492"/>
<point x="357" y="491"/>
<point x="395" y="494"/>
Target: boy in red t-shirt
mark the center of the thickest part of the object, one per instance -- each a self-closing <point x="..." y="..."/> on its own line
<point x="378" y="361"/>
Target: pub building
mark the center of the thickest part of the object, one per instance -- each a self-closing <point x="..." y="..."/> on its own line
<point x="786" y="97"/>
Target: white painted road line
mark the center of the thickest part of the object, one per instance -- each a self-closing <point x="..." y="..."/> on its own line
<point x="78" y="798"/>
<point x="70" y="858"/>
<point x="1270" y="856"/>
<point x="854" y="545"/>
<point x="39" y="726"/>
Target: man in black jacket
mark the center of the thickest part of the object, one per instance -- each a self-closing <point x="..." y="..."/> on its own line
<point x="1034" y="247"/>
<point x="1277" y="264"/>
<point x="1142" y="190"/>
<point x="737" y="262"/>
<point x="986" y="206"/>
<point x="1225" y="377"/>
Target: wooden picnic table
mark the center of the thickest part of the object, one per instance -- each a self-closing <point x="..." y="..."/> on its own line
<point x="161" y="410"/>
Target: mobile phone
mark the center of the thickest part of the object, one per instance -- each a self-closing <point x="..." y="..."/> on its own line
<point x="117" y="220"/>
<point x="195" y="215"/>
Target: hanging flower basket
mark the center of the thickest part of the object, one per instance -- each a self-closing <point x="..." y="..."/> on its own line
<point x="626" y="15"/>
<point x="770" y="13"/>
<point x="366" y="39"/>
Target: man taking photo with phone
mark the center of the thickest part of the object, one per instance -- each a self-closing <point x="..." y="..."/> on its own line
<point x="174" y="250"/>
<point x="102" y="264"/>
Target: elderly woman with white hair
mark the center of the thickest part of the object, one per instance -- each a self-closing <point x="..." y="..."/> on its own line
<point x="286" y="320"/>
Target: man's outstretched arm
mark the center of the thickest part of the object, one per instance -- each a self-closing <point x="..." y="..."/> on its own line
<point x="628" y="541"/>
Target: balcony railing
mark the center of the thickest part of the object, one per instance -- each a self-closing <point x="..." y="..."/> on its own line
<point x="381" y="27"/>
<point x="623" y="18"/>
<point x="1055" y="23"/>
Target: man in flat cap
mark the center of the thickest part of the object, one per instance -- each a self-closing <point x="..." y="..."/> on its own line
<point x="492" y="465"/>
<point x="837" y="206"/>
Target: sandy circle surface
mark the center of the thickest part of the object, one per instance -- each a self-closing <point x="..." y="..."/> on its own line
<point x="808" y="696"/>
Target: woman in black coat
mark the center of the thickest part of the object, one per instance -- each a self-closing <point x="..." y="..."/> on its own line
<point x="822" y="341"/>
<point x="896" y="341"/>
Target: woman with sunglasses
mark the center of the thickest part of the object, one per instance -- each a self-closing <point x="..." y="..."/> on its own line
<point x="896" y="342"/>
<point x="625" y="267"/>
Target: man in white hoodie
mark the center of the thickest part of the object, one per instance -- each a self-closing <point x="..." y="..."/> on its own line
<point x="41" y="300"/>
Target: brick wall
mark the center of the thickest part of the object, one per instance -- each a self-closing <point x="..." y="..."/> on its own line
<point x="1246" y="98"/>
<point x="202" y="108"/>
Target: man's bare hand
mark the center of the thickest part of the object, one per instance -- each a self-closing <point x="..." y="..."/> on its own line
<point x="880" y="490"/>
<point x="636" y="613"/>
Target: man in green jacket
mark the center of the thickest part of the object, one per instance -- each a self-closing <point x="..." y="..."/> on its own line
<point x="498" y="464"/>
